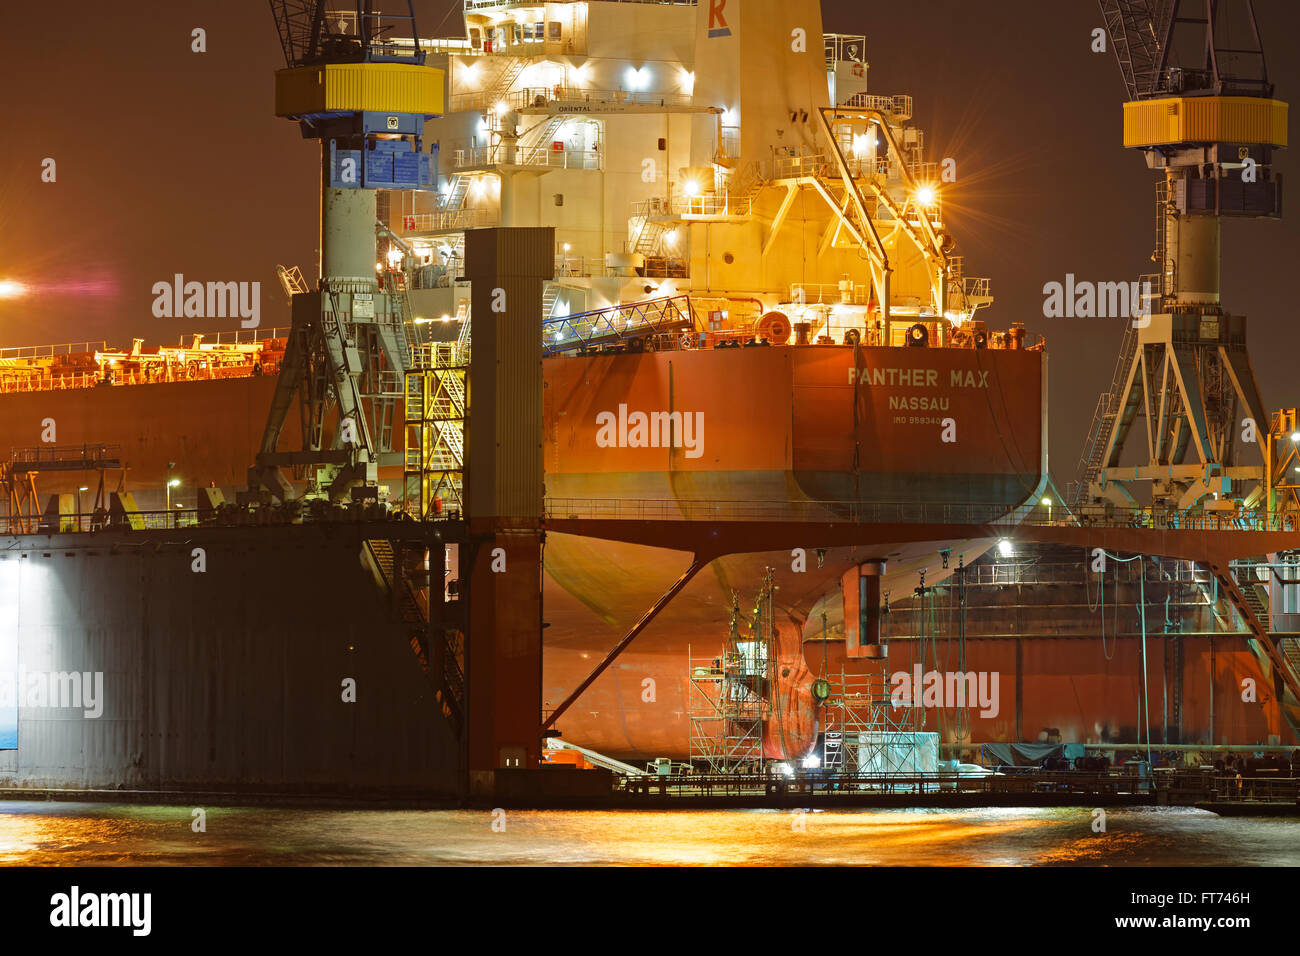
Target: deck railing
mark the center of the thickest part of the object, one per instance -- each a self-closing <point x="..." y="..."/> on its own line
<point x="996" y="515"/>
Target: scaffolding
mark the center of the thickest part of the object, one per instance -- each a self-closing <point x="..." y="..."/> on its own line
<point x="18" y="481"/>
<point x="865" y="732"/>
<point x="730" y="697"/>
<point x="437" y="391"/>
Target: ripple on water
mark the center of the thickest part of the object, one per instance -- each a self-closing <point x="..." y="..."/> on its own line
<point x="86" y="834"/>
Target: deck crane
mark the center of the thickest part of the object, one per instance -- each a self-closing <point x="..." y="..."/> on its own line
<point x="1200" y="108"/>
<point x="350" y="83"/>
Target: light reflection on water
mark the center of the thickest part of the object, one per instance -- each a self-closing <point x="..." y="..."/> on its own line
<point x="89" y="834"/>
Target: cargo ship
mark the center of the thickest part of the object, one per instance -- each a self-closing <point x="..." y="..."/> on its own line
<point x="757" y="306"/>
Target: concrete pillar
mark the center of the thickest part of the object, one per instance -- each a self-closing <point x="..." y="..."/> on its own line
<point x="503" y="501"/>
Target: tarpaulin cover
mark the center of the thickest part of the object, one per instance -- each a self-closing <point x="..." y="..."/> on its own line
<point x="1019" y="755"/>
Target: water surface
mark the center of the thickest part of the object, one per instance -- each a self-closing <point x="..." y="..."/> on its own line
<point x="93" y="834"/>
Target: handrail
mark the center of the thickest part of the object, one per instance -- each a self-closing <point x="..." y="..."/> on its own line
<point x="999" y="515"/>
<point x="49" y="351"/>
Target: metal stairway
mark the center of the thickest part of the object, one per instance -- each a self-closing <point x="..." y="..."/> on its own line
<point x="1104" y="418"/>
<point x="596" y="758"/>
<point x="412" y="605"/>
<point x="514" y="68"/>
<point x="1251" y="608"/>
<point x="549" y="298"/>
<point x="648" y="237"/>
<point x="1257" y="597"/>
<point x="456" y="198"/>
<point x="744" y="189"/>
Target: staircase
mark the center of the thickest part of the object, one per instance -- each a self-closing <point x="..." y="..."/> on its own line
<point x="1291" y="648"/>
<point x="413" y="611"/>
<point x="514" y="69"/>
<point x="456" y="198"/>
<point x="648" y="237"/>
<point x="462" y="340"/>
<point x="744" y="189"/>
<point x="1257" y="598"/>
<point x="1238" y="592"/>
<point x="450" y="433"/>
<point x="549" y="298"/>
<point x="1104" y="417"/>
<point x="540" y="136"/>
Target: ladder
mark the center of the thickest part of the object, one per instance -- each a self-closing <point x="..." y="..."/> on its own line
<point x="413" y="613"/>
<point x="462" y="340"/>
<point x="549" y="298"/>
<point x="541" y="135"/>
<point x="1257" y="597"/>
<point x="514" y="68"/>
<point x="291" y="280"/>
<point x="648" y="237"/>
<point x="1104" y="417"/>
<point x="455" y="199"/>
<point x="744" y="189"/>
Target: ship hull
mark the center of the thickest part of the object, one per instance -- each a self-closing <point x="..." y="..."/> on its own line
<point x="817" y="427"/>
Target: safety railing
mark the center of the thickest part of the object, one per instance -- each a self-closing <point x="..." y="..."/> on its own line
<point x="997" y="515"/>
<point x="628" y="325"/>
<point x="22" y="382"/>
<point x="245" y="336"/>
<point x="999" y="573"/>
<point x="229" y="515"/>
<point x="899" y="105"/>
<point x="50" y="351"/>
<point x="480" y="157"/>
<point x="578" y="99"/>
<point x="831" y="786"/>
<point x="89" y="455"/>
<point x="566" y="265"/>
<point x="682" y="204"/>
<point x="812" y="293"/>
<point x="801" y="165"/>
<point x="452" y="220"/>
<point x="845" y="47"/>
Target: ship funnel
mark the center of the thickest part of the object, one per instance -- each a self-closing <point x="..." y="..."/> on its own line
<point x="761" y="63"/>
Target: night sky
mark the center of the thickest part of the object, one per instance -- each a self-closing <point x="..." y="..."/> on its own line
<point x="171" y="161"/>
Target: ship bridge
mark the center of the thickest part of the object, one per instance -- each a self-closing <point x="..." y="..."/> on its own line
<point x="642" y="133"/>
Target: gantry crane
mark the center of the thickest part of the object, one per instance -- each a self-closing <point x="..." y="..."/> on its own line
<point x="1201" y="109"/>
<point x="351" y="84"/>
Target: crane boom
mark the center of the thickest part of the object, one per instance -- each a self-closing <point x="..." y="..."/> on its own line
<point x="1139" y="33"/>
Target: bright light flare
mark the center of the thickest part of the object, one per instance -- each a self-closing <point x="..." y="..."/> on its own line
<point x="12" y="289"/>
<point x="925" y="195"/>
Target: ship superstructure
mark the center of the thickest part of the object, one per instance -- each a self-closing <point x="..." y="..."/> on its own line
<point x="731" y="152"/>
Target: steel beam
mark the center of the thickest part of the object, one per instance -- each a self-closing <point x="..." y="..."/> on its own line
<point x="698" y="561"/>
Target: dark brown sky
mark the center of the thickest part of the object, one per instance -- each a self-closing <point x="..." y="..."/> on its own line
<point x="170" y="161"/>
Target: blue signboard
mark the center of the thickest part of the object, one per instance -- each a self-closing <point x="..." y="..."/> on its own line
<point x="9" y="688"/>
